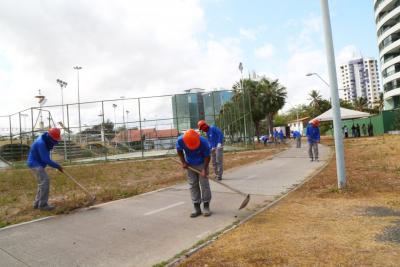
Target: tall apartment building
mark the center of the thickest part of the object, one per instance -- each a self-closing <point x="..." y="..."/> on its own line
<point x="360" y="78"/>
<point x="387" y="18"/>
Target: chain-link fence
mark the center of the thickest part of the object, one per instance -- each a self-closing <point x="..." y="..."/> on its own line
<point x="127" y="128"/>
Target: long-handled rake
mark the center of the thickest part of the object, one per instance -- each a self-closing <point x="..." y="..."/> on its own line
<point x="92" y="197"/>
<point x="247" y="196"/>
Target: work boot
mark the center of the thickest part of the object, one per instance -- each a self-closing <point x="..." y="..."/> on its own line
<point x="197" y="210"/>
<point x="206" y="209"/>
<point x="311" y="159"/>
<point x="47" y="207"/>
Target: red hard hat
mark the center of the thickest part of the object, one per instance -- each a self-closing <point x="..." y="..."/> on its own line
<point x="315" y="122"/>
<point x="191" y="139"/>
<point x="201" y="124"/>
<point x="55" y="134"/>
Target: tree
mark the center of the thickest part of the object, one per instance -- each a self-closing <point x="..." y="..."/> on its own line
<point x="361" y="104"/>
<point x="315" y="99"/>
<point x="273" y="96"/>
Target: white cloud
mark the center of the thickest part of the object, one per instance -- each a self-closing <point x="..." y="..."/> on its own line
<point x="126" y="48"/>
<point x="347" y="53"/>
<point x="252" y="33"/>
<point x="264" y="52"/>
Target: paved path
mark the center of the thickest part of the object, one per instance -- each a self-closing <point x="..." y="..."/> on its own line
<point x="149" y="228"/>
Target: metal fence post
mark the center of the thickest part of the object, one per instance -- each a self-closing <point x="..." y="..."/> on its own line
<point x="20" y="135"/>
<point x="102" y="127"/>
<point x="32" y="127"/>
<point x="176" y="113"/>
<point x="9" y="120"/>
<point x="140" y="130"/>
<point x="69" y="134"/>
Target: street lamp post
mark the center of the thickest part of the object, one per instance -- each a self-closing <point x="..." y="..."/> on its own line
<point x="62" y="86"/>
<point x="123" y="111"/>
<point x="316" y="74"/>
<point x="115" y="120"/>
<point x="330" y="55"/>
<point x="77" y="68"/>
<point x="243" y="99"/>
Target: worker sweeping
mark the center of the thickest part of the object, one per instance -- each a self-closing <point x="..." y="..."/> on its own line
<point x="313" y="137"/>
<point x="194" y="151"/>
<point x="216" y="139"/>
<point x="38" y="159"/>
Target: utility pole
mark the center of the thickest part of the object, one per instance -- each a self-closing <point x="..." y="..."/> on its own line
<point x="330" y="56"/>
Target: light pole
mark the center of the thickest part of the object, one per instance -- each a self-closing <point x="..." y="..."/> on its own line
<point x="316" y="74"/>
<point x="42" y="100"/>
<point x="330" y="56"/>
<point x="243" y="99"/>
<point x="123" y="110"/>
<point x="62" y="86"/>
<point x="127" y="127"/>
<point x="115" y="120"/>
<point x="77" y="68"/>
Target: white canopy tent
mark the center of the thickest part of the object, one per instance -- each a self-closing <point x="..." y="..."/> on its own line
<point x="346" y="114"/>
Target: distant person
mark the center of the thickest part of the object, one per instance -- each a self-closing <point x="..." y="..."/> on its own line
<point x="38" y="159"/>
<point x="215" y="138"/>
<point x="346" y="131"/>
<point x="194" y="151"/>
<point x="264" y="139"/>
<point x="371" y="129"/>
<point x="358" y="131"/>
<point x="364" y="129"/>
<point x="353" y="131"/>
<point x="281" y="136"/>
<point x="297" y="137"/>
<point x="276" y="136"/>
<point x="313" y="136"/>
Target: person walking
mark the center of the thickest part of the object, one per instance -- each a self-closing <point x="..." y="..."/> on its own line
<point x="194" y="151"/>
<point x="358" y="131"/>
<point x="281" y="136"/>
<point x="313" y="136"/>
<point x="297" y="137"/>
<point x="38" y="159"/>
<point x="364" y="129"/>
<point x="216" y="139"/>
<point x="346" y="131"/>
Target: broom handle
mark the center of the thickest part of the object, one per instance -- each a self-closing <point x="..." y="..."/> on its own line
<point x="218" y="182"/>
<point x="76" y="182"/>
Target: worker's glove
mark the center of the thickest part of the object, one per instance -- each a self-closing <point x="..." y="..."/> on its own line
<point x="60" y="169"/>
<point x="219" y="145"/>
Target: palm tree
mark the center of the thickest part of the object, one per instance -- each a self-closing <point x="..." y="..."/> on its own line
<point x="273" y="97"/>
<point x="361" y="104"/>
<point x="315" y="98"/>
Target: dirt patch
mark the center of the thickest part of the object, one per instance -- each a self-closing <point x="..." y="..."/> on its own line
<point x="319" y="225"/>
<point x="109" y="181"/>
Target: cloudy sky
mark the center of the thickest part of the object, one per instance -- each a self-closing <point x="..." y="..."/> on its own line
<point x="137" y="48"/>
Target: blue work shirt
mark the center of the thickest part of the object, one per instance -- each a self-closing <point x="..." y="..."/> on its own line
<point x="312" y="133"/>
<point x="194" y="157"/>
<point x="296" y="134"/>
<point x="215" y="136"/>
<point x="280" y="134"/>
<point x="39" y="154"/>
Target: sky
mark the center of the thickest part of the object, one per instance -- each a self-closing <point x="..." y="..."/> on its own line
<point x="135" y="48"/>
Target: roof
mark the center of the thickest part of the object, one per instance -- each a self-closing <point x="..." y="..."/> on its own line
<point x="300" y="119"/>
<point x="150" y="133"/>
<point x="345" y="114"/>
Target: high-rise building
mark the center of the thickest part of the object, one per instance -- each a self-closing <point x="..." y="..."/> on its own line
<point x="387" y="15"/>
<point x="360" y="78"/>
<point x="188" y="109"/>
<point x="196" y="104"/>
<point x="213" y="102"/>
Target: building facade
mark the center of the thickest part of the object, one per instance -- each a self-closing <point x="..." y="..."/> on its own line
<point x="387" y="17"/>
<point x="188" y="109"/>
<point x="360" y="78"/>
<point x="197" y="104"/>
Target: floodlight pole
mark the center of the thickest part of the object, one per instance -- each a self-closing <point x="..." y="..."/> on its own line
<point x="244" y="106"/>
<point x="330" y="55"/>
<point x="62" y="86"/>
<point x="77" y="68"/>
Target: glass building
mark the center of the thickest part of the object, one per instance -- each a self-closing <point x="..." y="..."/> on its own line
<point x="196" y="104"/>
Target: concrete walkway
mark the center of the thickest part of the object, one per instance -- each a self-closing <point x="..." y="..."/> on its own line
<point x="153" y="227"/>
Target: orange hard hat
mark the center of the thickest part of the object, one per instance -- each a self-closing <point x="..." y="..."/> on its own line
<point x="55" y="134"/>
<point x="315" y="122"/>
<point x="201" y="124"/>
<point x="191" y="139"/>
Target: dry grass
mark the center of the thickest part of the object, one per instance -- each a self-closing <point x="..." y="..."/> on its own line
<point x="319" y="226"/>
<point x="109" y="181"/>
